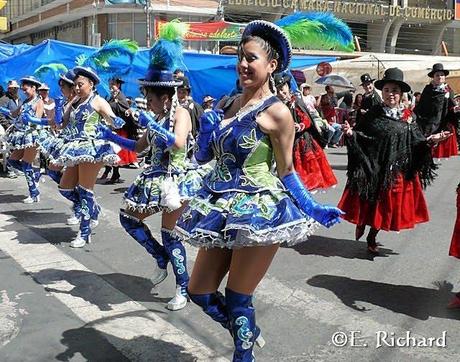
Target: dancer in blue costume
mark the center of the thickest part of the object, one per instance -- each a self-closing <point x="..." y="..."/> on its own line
<point x="82" y="153"/>
<point x="171" y="179"/>
<point x="22" y="137"/>
<point x="51" y="146"/>
<point x="244" y="211"/>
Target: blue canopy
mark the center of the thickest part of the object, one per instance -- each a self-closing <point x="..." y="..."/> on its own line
<point x="208" y="73"/>
<point x="9" y="50"/>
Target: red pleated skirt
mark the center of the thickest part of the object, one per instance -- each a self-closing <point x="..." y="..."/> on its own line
<point x="401" y="207"/>
<point x="455" y="242"/>
<point x="448" y="147"/>
<point x="312" y="166"/>
<point x="126" y="157"/>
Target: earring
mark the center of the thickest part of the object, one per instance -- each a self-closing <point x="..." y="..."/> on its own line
<point x="272" y="84"/>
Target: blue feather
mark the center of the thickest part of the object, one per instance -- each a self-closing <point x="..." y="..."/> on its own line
<point x="166" y="55"/>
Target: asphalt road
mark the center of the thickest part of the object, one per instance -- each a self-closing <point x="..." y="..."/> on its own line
<point x="97" y="303"/>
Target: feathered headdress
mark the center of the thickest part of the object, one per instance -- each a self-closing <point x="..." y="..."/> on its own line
<point x="107" y="58"/>
<point x="317" y="30"/>
<point x="166" y="55"/>
<point x="50" y="74"/>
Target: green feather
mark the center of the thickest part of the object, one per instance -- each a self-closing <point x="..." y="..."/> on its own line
<point x="311" y="35"/>
<point x="81" y="60"/>
<point x="55" y="68"/>
<point x="112" y="49"/>
<point x="173" y="30"/>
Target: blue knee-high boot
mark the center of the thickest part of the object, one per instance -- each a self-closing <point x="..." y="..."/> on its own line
<point x="87" y="207"/>
<point x="15" y="164"/>
<point x="243" y="324"/>
<point x="141" y="233"/>
<point x="73" y="196"/>
<point x="30" y="178"/>
<point x="213" y="304"/>
<point x="176" y="253"/>
<point x="96" y="213"/>
<point x="54" y="175"/>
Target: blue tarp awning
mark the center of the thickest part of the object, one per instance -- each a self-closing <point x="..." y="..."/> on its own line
<point x="208" y="73"/>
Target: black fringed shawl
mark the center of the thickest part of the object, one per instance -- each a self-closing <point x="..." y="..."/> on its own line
<point x="382" y="148"/>
<point x="435" y="110"/>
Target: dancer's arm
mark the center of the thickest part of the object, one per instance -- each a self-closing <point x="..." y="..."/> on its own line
<point x="277" y="122"/>
<point x="102" y="107"/>
<point x="105" y="133"/>
<point x="209" y="121"/>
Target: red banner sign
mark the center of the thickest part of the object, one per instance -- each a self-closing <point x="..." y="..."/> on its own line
<point x="217" y="30"/>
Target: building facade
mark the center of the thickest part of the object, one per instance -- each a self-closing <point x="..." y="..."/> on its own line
<point x="91" y="22"/>
<point x="383" y="26"/>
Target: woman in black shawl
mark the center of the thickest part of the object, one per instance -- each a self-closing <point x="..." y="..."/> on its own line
<point x="389" y="159"/>
<point x="436" y="112"/>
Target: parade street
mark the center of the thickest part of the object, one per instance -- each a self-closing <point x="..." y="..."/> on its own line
<point x="323" y="300"/>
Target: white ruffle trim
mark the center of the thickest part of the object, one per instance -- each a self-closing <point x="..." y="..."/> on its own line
<point x="69" y="162"/>
<point x="151" y="208"/>
<point x="23" y="146"/>
<point x="291" y="233"/>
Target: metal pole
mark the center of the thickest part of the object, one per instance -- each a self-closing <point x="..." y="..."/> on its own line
<point x="147" y="19"/>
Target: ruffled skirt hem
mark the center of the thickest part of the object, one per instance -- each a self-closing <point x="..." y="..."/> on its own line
<point x="85" y="151"/>
<point x="246" y="236"/>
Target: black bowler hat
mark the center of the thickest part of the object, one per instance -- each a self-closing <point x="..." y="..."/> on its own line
<point x="185" y="82"/>
<point x="393" y="75"/>
<point x="117" y="80"/>
<point x="281" y="79"/>
<point x="438" y="67"/>
<point x="366" y="78"/>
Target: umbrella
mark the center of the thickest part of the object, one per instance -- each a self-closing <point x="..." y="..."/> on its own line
<point x="336" y="81"/>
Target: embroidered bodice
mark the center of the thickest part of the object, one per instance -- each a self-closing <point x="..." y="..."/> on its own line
<point x="163" y="159"/>
<point x="27" y="107"/>
<point x="244" y="154"/>
<point x="83" y="120"/>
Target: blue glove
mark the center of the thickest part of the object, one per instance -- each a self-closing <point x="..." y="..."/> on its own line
<point x="209" y="121"/>
<point x="28" y="118"/>
<point x="105" y="133"/>
<point x="118" y="122"/>
<point x="168" y="138"/>
<point x="58" y="109"/>
<point x="5" y="111"/>
<point x="144" y="119"/>
<point x="324" y="214"/>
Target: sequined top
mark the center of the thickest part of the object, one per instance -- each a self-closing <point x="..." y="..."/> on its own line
<point x="163" y="160"/>
<point x="82" y="121"/>
<point x="27" y="107"/>
<point x="244" y="154"/>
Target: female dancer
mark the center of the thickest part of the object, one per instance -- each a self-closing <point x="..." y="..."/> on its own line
<point x="81" y="153"/>
<point x="388" y="156"/>
<point x="51" y="146"/>
<point x="243" y="211"/>
<point x="436" y="112"/>
<point x="22" y="137"/>
<point x="169" y="180"/>
<point x="309" y="159"/>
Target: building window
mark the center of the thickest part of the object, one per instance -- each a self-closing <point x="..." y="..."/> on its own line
<point x="127" y="26"/>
